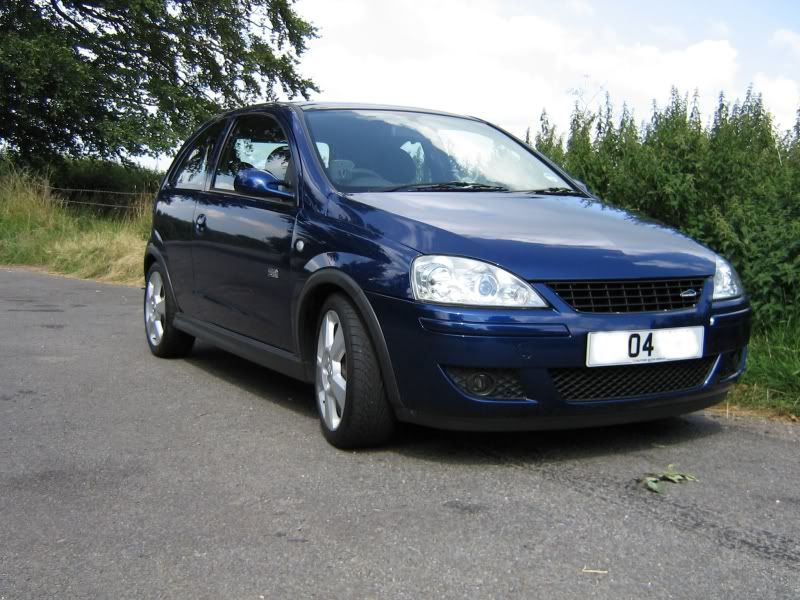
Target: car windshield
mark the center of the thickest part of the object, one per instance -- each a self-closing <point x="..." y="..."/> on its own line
<point x="383" y="150"/>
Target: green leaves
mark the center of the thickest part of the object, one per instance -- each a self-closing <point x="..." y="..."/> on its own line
<point x="655" y="481"/>
<point x="547" y="141"/>
<point x="653" y="484"/>
<point x="115" y="79"/>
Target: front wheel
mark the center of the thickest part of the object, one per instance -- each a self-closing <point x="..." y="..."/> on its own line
<point x="351" y="400"/>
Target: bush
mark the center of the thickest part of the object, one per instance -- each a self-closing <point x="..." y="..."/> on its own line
<point x="96" y="174"/>
<point x="110" y="183"/>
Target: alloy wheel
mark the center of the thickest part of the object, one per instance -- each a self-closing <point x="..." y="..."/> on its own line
<point x="155" y="313"/>
<point x="331" y="380"/>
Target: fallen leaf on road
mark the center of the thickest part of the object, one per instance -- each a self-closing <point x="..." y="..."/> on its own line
<point x="655" y="481"/>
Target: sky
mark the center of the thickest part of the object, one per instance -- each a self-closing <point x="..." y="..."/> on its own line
<point x="507" y="60"/>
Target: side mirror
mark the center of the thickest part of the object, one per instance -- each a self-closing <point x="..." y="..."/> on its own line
<point x="582" y="185"/>
<point x="256" y="182"/>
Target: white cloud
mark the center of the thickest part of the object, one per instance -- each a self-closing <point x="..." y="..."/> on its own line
<point x="482" y="59"/>
<point x="789" y="38"/>
<point x="781" y="96"/>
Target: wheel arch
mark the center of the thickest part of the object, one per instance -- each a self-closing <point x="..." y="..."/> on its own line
<point x="320" y="286"/>
<point x="153" y="255"/>
<point x="149" y="259"/>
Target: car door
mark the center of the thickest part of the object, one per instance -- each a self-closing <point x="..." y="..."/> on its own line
<point x="173" y="219"/>
<point x="242" y="242"/>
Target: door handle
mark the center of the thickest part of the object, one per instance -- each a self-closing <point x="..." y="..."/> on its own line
<point x="200" y="223"/>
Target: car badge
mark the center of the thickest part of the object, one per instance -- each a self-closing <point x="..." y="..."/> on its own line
<point x="689" y="294"/>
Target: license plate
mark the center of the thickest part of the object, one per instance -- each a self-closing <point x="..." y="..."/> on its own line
<point x="605" y="348"/>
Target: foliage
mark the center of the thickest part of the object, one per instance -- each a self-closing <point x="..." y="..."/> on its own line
<point x="103" y="175"/>
<point x="135" y="77"/>
<point x="36" y="228"/>
<point x="734" y="184"/>
<point x="772" y="378"/>
<point x="547" y="141"/>
<point x="102" y="183"/>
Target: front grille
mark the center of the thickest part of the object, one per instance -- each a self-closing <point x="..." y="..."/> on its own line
<point x="609" y="383"/>
<point x="630" y="295"/>
<point x="501" y="384"/>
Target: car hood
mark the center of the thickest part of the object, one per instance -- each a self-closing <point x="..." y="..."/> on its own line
<point x="536" y="237"/>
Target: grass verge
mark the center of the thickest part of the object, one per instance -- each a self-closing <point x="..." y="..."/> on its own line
<point x="37" y="229"/>
<point x="772" y="379"/>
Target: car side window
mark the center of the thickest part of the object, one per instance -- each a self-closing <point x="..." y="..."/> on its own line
<point x="192" y="172"/>
<point x="257" y="141"/>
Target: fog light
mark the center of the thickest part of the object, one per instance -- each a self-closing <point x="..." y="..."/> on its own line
<point x="481" y="384"/>
<point x="495" y="384"/>
<point x="730" y="363"/>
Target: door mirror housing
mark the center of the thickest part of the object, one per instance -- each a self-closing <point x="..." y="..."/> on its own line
<point x="257" y="182"/>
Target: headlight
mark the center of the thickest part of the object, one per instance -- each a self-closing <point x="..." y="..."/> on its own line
<point x="455" y="280"/>
<point x="726" y="282"/>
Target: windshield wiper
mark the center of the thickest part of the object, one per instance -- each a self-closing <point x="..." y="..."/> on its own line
<point x="556" y="191"/>
<point x="449" y="186"/>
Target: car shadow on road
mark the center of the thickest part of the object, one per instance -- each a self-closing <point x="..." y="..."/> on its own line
<point x="268" y="385"/>
<point x="423" y="443"/>
<point x="551" y="446"/>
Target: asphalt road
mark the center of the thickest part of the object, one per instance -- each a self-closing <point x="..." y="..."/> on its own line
<point x="126" y="476"/>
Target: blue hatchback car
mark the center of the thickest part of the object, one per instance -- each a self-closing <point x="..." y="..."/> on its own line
<point x="431" y="268"/>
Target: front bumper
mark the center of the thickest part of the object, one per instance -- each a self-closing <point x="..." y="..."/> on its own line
<point x="424" y="341"/>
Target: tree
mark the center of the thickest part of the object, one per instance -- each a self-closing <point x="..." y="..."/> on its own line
<point x="580" y="159"/>
<point x="547" y="140"/>
<point x="606" y="144"/>
<point x="125" y="78"/>
<point x="677" y="145"/>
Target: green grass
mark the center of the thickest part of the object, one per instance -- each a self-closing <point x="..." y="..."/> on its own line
<point x="37" y="229"/>
<point x="772" y="379"/>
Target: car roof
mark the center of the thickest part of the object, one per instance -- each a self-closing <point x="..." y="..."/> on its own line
<point x="309" y="105"/>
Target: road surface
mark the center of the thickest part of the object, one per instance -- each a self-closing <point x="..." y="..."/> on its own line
<point x="126" y="476"/>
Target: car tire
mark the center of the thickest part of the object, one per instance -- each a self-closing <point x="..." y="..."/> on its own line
<point x="163" y="338"/>
<point x="354" y="411"/>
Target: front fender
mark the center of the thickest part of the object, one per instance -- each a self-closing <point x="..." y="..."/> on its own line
<point x="385" y="273"/>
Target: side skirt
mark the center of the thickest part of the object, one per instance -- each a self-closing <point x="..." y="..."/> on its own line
<point x="245" y="347"/>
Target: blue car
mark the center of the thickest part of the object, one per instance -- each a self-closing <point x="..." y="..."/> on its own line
<point x="430" y="268"/>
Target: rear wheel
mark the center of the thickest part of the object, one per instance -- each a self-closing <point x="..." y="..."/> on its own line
<point x="351" y="400"/>
<point x="159" y="311"/>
